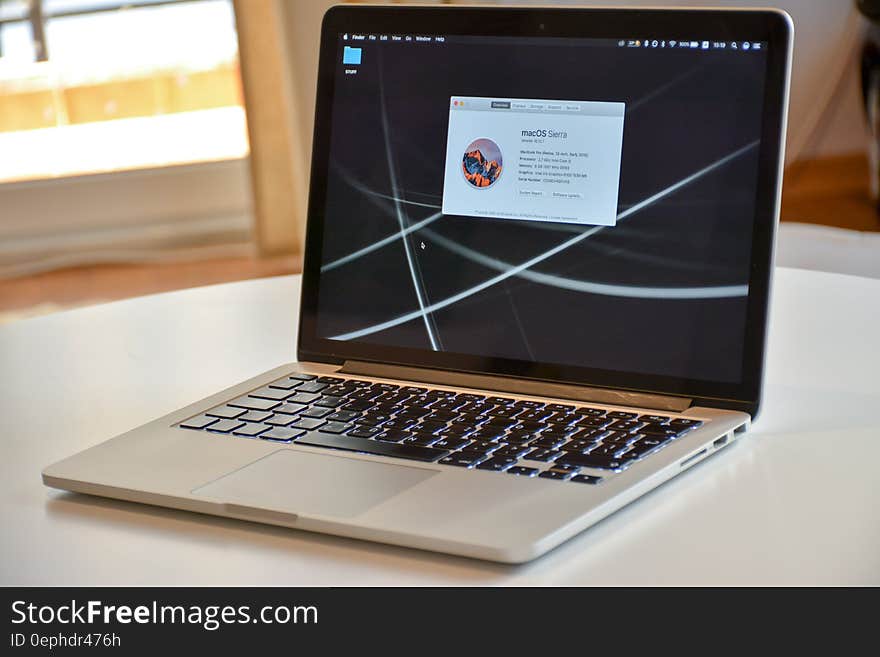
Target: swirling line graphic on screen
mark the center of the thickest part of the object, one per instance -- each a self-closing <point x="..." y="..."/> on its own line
<point x="482" y="163"/>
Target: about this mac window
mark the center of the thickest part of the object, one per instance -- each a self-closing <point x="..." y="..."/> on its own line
<point x="533" y="160"/>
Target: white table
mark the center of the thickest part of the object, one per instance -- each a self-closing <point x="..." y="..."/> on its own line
<point x="797" y="502"/>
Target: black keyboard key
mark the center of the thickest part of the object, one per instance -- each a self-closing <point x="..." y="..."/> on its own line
<point x="271" y="393"/>
<point x="587" y="434"/>
<point x="451" y="442"/>
<point x="281" y="434"/>
<point x="477" y="408"/>
<point x="560" y="407"/>
<point x="303" y="398"/>
<point x="530" y="427"/>
<point x="470" y="420"/>
<point x="399" y="423"/>
<point x="610" y="449"/>
<point x="543" y="455"/>
<point x="685" y="422"/>
<point x="336" y="427"/>
<point x="330" y="379"/>
<point x="447" y="404"/>
<point x="341" y="391"/>
<point x="662" y="431"/>
<point x="255" y="404"/>
<point x="505" y="412"/>
<point x="281" y="419"/>
<point x="251" y="429"/>
<point x="535" y="415"/>
<point x="343" y="416"/>
<point x="309" y="423"/>
<point x="486" y="433"/>
<point x="498" y="422"/>
<point x="650" y="442"/>
<point x="578" y="446"/>
<point x="290" y="409"/>
<point x="636" y="453"/>
<point x="198" y="422"/>
<point x="371" y="420"/>
<point x="586" y="479"/>
<point x="592" y="461"/>
<point x="622" y="415"/>
<point x="423" y="439"/>
<point x="591" y="422"/>
<point x="520" y="437"/>
<point x="394" y="435"/>
<point x="556" y="431"/>
<point x="522" y="471"/>
<point x="312" y="386"/>
<point x="564" y="419"/>
<point x="391" y="398"/>
<point x="501" y="401"/>
<point x="414" y="412"/>
<point x="513" y="451"/>
<point x="430" y="427"/>
<point x="358" y="406"/>
<point x="364" y="432"/>
<point x="441" y="416"/>
<point x="228" y="412"/>
<point x="414" y="390"/>
<point x="548" y="442"/>
<point x="560" y="474"/>
<point x="225" y="426"/>
<point x="485" y="446"/>
<point x="255" y="416"/>
<point x="528" y="403"/>
<point x="654" y="419"/>
<point x="589" y="412"/>
<point x="286" y="384"/>
<point x="378" y="447"/>
<point x="303" y="377"/>
<point x="330" y="401"/>
<point x="497" y="464"/>
<point x="624" y="425"/>
<point x="460" y="430"/>
<point x="619" y="437"/>
<point x="316" y="411"/>
<point x="467" y="396"/>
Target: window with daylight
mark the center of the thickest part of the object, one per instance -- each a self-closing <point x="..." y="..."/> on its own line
<point x="96" y="86"/>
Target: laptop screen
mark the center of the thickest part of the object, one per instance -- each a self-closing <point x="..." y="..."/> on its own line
<point x="573" y="202"/>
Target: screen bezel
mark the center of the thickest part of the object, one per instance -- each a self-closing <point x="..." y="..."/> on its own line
<point x="773" y="27"/>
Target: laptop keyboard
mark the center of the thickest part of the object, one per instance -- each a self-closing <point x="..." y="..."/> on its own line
<point x="527" y="438"/>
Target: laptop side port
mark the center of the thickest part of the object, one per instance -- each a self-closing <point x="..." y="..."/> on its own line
<point x="720" y="442"/>
<point x="693" y="457"/>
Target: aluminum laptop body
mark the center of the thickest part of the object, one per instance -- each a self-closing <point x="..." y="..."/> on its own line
<point x="536" y="282"/>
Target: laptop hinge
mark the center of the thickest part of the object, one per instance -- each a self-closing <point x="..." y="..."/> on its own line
<point x="517" y="386"/>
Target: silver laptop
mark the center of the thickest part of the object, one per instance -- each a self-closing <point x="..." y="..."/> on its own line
<point x="536" y="281"/>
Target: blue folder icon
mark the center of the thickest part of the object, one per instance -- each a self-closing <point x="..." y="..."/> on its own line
<point x="351" y="55"/>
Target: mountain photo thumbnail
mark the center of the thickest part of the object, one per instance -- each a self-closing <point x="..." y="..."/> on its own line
<point x="482" y="163"/>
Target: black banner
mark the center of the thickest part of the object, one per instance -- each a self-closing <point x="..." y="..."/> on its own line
<point x="133" y="621"/>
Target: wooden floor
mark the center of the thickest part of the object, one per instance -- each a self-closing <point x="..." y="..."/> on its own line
<point x="69" y="288"/>
<point x="831" y="191"/>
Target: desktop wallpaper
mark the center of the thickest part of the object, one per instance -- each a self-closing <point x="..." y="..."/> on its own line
<point x="662" y="292"/>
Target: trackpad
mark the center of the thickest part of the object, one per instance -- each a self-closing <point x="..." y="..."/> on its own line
<point x="304" y="483"/>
